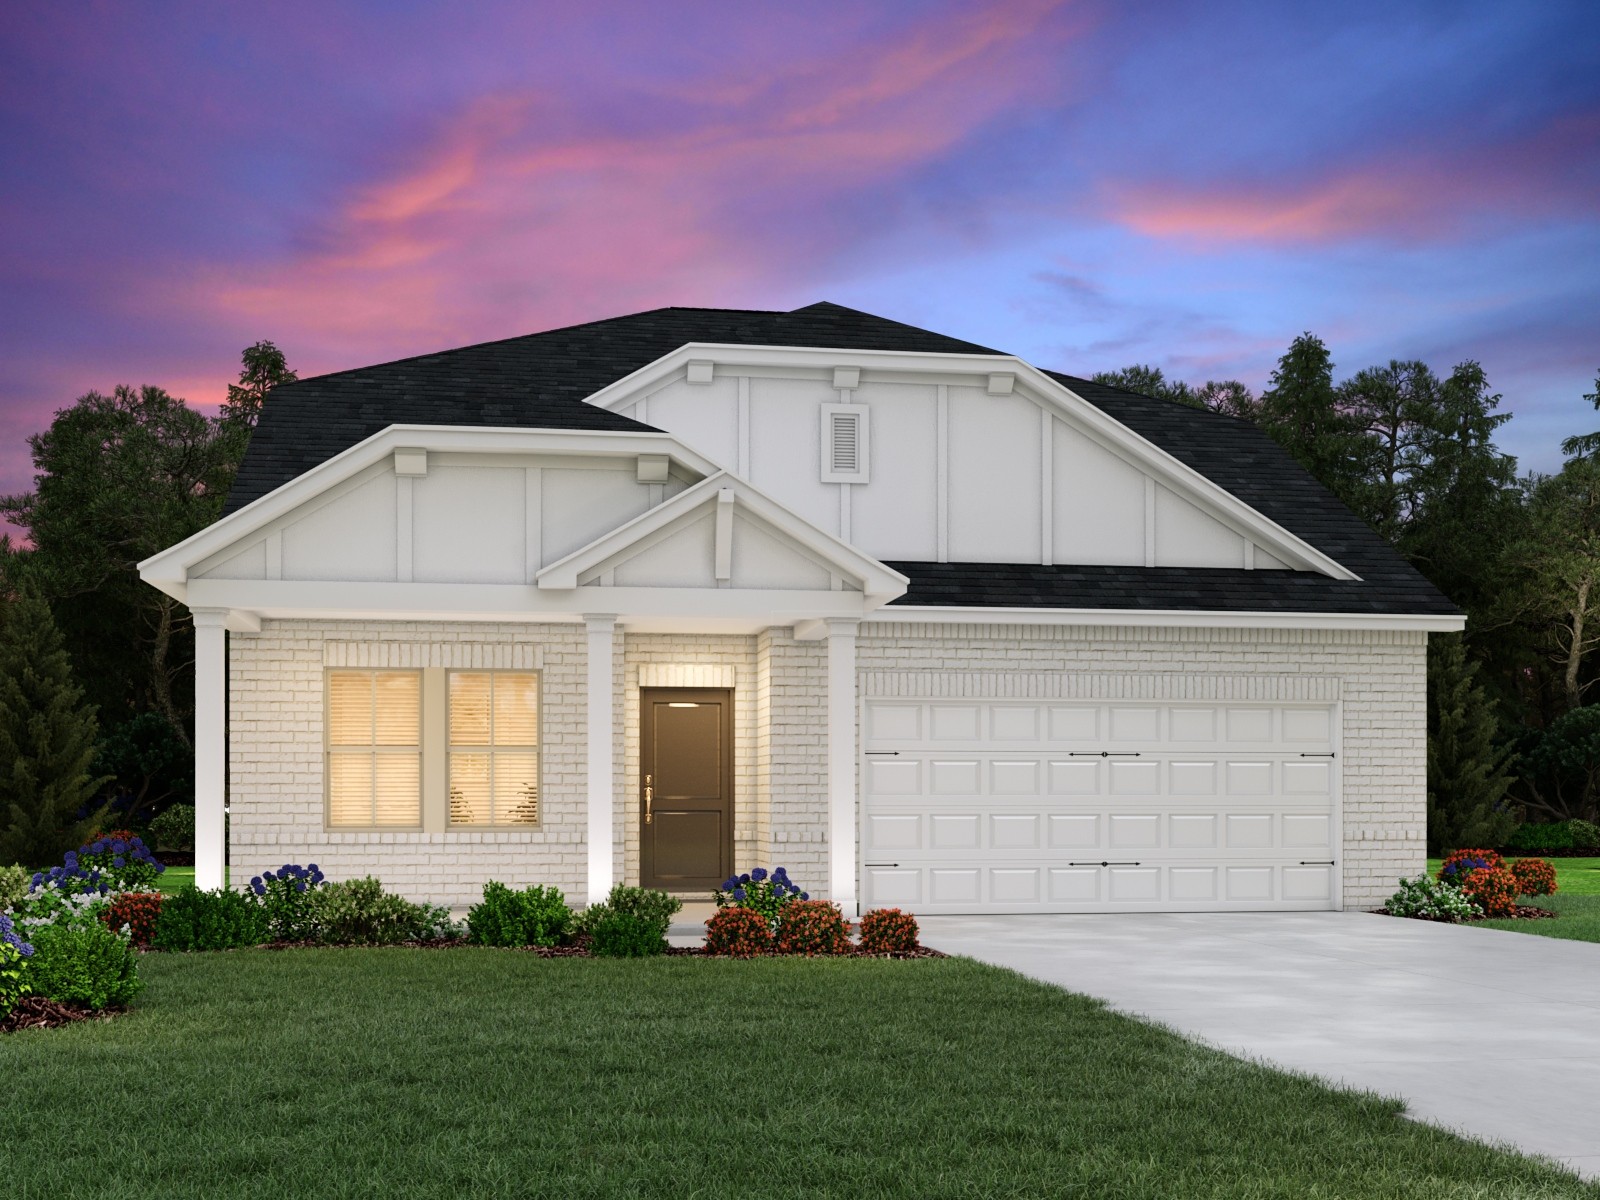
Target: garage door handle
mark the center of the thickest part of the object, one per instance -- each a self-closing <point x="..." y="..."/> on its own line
<point x="1319" y="863"/>
<point x="1102" y="864"/>
<point x="1102" y="754"/>
<point x="880" y="864"/>
<point x="889" y="753"/>
<point x="1303" y="754"/>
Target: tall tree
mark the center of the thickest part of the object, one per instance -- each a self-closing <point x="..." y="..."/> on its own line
<point x="1302" y="411"/>
<point x="1392" y="408"/>
<point x="47" y="740"/>
<point x="1468" y="776"/>
<point x="1148" y="381"/>
<point x="1585" y="445"/>
<point x="263" y="368"/>
<point x="1560" y="562"/>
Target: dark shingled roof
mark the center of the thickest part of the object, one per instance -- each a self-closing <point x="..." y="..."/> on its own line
<point x="538" y="381"/>
<point x="541" y="380"/>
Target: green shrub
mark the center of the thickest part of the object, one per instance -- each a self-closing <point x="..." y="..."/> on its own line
<point x="13" y="886"/>
<point x="535" y="916"/>
<point x="287" y="898"/>
<point x="1431" y="900"/>
<point x="92" y="966"/>
<point x="358" y="912"/>
<point x="14" y="956"/>
<point x="657" y="908"/>
<point x="760" y="891"/>
<point x="174" y="829"/>
<point x="220" y="920"/>
<point x="1552" y="835"/>
<point x="617" y="934"/>
<point x="1585" y="835"/>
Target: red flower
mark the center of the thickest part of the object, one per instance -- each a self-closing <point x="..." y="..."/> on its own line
<point x="1534" y="877"/>
<point x="888" y="931"/>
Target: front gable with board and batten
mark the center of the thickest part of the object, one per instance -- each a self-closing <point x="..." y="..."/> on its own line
<point x="654" y="598"/>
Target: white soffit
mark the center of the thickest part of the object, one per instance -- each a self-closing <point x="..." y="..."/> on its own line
<point x="991" y="372"/>
<point x="169" y="570"/>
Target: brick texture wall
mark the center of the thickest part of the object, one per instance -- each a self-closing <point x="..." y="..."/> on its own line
<point x="276" y="734"/>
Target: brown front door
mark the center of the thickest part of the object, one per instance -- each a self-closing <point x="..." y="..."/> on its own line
<point x="685" y="788"/>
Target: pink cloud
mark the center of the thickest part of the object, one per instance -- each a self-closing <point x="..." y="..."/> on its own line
<point x="1416" y="194"/>
<point x="509" y="222"/>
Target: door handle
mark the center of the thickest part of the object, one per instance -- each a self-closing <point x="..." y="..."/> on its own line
<point x="649" y="795"/>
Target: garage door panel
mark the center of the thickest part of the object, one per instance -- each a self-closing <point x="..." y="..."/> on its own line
<point x="1014" y="885"/>
<point x="1014" y="831"/>
<point x="953" y="777"/>
<point x="1074" y="777"/>
<point x="1014" y="724"/>
<point x="1135" y="778"/>
<point x="1082" y="807"/>
<point x="1074" y="831"/>
<point x="1075" y="723"/>
<point x="953" y="832"/>
<point x="893" y="777"/>
<point x="1014" y="777"/>
<point x="894" y="831"/>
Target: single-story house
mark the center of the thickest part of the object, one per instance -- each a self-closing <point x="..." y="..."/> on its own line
<point x="662" y="597"/>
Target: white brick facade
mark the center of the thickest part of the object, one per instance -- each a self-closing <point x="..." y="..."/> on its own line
<point x="1377" y="679"/>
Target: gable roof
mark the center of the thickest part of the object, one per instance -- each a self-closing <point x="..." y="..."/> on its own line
<point x="540" y="380"/>
<point x="544" y="380"/>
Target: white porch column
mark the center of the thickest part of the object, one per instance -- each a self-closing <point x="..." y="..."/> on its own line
<point x="210" y="746"/>
<point x="602" y="764"/>
<point x="842" y="765"/>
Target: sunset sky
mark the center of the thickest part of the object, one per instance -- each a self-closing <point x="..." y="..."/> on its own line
<point x="1087" y="185"/>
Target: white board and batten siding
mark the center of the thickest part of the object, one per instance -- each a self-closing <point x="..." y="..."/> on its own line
<point x="1068" y="807"/>
<point x="952" y="472"/>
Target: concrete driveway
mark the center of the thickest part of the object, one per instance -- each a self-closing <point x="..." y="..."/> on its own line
<point x="1403" y="1008"/>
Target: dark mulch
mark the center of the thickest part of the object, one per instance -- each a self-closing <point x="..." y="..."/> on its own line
<point x="1522" y="912"/>
<point x="35" y="1012"/>
<point x="581" y="949"/>
<point x="1568" y="852"/>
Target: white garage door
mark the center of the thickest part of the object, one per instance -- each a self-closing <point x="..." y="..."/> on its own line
<point x="1054" y="806"/>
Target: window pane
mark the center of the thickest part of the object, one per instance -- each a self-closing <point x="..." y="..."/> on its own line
<point x="516" y="710"/>
<point x="469" y="709"/>
<point x="516" y="788"/>
<point x="350" y="789"/>
<point x="399" y="707"/>
<point x="399" y="792"/>
<point x="350" y="708"/>
<point x="469" y="789"/>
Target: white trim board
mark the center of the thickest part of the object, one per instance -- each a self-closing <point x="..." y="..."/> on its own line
<point x="1168" y="618"/>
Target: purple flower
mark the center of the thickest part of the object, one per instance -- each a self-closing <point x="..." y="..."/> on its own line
<point x="119" y="861"/>
<point x="744" y="879"/>
<point x="119" y="847"/>
<point x="730" y="883"/>
<point x="300" y="885"/>
<point x="758" y="874"/>
<point x="314" y="869"/>
<point x="738" y="893"/>
<point x="805" y="895"/>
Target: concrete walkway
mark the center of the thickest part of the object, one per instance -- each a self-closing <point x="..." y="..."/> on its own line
<point x="1398" y="1007"/>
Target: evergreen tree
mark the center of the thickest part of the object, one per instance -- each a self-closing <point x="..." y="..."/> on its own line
<point x="1467" y="772"/>
<point x="47" y="740"/>
<point x="1302" y="411"/>
<point x="1585" y="445"/>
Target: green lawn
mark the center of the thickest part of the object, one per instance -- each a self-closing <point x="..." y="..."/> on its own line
<point x="1577" y="901"/>
<point x="479" y="1072"/>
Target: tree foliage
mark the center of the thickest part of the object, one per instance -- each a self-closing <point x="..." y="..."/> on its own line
<point x="1468" y="779"/>
<point x="47" y="739"/>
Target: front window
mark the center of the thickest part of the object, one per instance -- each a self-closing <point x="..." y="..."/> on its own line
<point x="374" y="749"/>
<point x="494" y="748"/>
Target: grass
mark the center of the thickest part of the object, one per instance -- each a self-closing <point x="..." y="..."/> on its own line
<point x="401" y="1073"/>
<point x="1577" y="902"/>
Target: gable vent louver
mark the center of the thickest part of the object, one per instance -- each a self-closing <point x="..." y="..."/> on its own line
<point x="844" y="443"/>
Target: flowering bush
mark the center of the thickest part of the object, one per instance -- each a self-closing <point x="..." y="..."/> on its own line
<point x="14" y="954"/>
<point x="812" y="927"/>
<point x="91" y="966"/>
<point x="760" y="892"/>
<point x="535" y="916"/>
<point x="50" y="905"/>
<point x="219" y="920"/>
<point x="1534" y="877"/>
<point x="1462" y="863"/>
<point x="120" y="863"/>
<point x="288" y="902"/>
<point x="738" y="932"/>
<point x="888" y="931"/>
<point x="135" y="911"/>
<point x="1425" y="898"/>
<point x="1493" y="889"/>
<point x="13" y="885"/>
